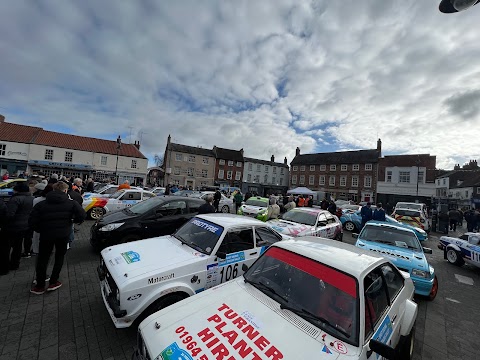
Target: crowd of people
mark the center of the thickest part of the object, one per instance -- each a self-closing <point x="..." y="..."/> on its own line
<point x="39" y="217"/>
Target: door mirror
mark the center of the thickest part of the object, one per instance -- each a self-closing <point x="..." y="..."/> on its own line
<point x="355" y="235"/>
<point x="427" y="250"/>
<point x="222" y="255"/>
<point x="382" y="349"/>
<point x="244" y="267"/>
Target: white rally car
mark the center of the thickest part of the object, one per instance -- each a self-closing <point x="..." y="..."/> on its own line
<point x="309" y="221"/>
<point x="97" y="207"/>
<point x="465" y="249"/>
<point x="145" y="276"/>
<point x="300" y="300"/>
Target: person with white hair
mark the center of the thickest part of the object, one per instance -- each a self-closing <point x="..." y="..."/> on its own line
<point x="273" y="209"/>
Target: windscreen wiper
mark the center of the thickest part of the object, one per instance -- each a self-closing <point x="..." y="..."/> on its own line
<point x="259" y="285"/>
<point x="307" y="314"/>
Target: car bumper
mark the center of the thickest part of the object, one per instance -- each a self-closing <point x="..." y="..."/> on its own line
<point x="117" y="315"/>
<point x="422" y="286"/>
<point x="100" y="239"/>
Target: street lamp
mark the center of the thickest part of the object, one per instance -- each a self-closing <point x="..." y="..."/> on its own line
<point x="119" y="146"/>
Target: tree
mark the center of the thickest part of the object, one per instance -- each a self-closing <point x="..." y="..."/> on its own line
<point x="158" y="159"/>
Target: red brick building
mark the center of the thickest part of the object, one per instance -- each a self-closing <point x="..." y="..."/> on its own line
<point x="228" y="167"/>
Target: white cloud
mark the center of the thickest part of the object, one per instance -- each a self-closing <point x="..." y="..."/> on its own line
<point x="263" y="76"/>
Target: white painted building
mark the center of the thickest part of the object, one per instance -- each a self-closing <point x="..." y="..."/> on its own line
<point x="409" y="181"/>
<point x="263" y="176"/>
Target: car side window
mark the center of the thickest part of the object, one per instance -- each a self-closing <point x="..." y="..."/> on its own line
<point x="376" y="300"/>
<point x="265" y="236"/>
<point x="193" y="206"/>
<point x="322" y="220"/>
<point x="330" y="219"/>
<point x="394" y="281"/>
<point x="173" y="208"/>
<point x="474" y="240"/>
<point x="464" y="237"/>
<point x="133" y="195"/>
<point x="237" y="240"/>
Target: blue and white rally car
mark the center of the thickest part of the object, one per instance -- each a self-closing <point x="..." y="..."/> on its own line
<point x="465" y="249"/>
<point x="402" y="247"/>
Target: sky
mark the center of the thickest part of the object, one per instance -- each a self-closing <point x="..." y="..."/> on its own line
<point x="266" y="76"/>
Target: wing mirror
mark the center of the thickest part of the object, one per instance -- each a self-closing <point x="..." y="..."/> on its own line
<point x="355" y="235"/>
<point x="158" y="214"/>
<point x="427" y="250"/>
<point x="382" y="349"/>
<point x="244" y="267"/>
<point x="222" y="255"/>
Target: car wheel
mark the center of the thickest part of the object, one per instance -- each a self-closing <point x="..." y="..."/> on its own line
<point x="159" y="304"/>
<point x="96" y="213"/>
<point x="129" y="238"/>
<point x="434" y="291"/>
<point x="225" y="209"/>
<point x="454" y="257"/>
<point x="350" y="226"/>
<point x="406" y="351"/>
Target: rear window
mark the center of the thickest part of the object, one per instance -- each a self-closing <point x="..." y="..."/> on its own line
<point x="412" y="206"/>
<point x="406" y="212"/>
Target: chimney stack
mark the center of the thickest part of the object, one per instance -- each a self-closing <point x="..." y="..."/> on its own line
<point x="379" y="147"/>
<point x="297" y="151"/>
<point x="285" y="160"/>
<point x="2" y="118"/>
<point x="137" y="144"/>
<point x="272" y="159"/>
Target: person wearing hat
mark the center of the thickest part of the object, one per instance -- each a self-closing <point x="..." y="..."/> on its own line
<point x="16" y="228"/>
<point x="39" y="187"/>
<point x="53" y="179"/>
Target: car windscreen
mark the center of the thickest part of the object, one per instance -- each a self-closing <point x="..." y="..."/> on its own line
<point x="390" y="236"/>
<point x="320" y="294"/>
<point x="301" y="217"/>
<point x="406" y="212"/>
<point x="200" y="234"/>
<point x="256" y="202"/>
<point x="409" y="206"/>
<point x="144" y="206"/>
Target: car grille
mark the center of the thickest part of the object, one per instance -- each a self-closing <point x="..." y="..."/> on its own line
<point x="385" y="252"/>
<point x="142" y="348"/>
<point x="109" y="279"/>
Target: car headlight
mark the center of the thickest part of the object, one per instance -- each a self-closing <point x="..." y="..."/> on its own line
<point x="263" y="211"/>
<point x="117" y="296"/>
<point x="420" y="273"/>
<point x="422" y="232"/>
<point x="111" y="227"/>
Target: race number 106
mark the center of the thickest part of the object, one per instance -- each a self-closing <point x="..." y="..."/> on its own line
<point x="228" y="272"/>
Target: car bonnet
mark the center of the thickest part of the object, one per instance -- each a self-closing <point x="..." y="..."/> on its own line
<point x="240" y="320"/>
<point x="252" y="209"/>
<point x="290" y="228"/>
<point x="156" y="255"/>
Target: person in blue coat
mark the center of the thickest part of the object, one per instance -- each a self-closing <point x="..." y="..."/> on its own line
<point x="379" y="213"/>
<point x="366" y="213"/>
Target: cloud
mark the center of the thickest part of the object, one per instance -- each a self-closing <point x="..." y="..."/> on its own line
<point x="263" y="76"/>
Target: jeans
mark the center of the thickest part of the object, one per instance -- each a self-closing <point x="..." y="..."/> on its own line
<point x="45" y="250"/>
<point x="11" y="249"/>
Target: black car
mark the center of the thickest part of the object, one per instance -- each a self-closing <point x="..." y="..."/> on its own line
<point x="160" y="215"/>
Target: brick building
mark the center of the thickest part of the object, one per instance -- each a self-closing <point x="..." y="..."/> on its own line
<point x="228" y="167"/>
<point x="347" y="175"/>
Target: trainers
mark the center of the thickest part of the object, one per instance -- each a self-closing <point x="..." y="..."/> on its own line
<point x="37" y="290"/>
<point x="26" y="255"/>
<point x="34" y="282"/>
<point x="55" y="286"/>
<point x="68" y="246"/>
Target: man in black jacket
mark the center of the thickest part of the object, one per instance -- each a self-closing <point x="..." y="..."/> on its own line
<point x="15" y="228"/>
<point x="53" y="218"/>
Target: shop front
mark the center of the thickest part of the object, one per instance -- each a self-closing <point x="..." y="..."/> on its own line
<point x="47" y="168"/>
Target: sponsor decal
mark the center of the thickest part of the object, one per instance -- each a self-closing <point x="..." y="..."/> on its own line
<point x="208" y="226"/>
<point x="96" y="202"/>
<point x="340" y="347"/>
<point x="384" y="332"/>
<point x="228" y="336"/>
<point x="174" y="352"/>
<point x="252" y="319"/>
<point x="131" y="257"/>
<point x="232" y="258"/>
<point x="327" y="350"/>
<point x="159" y="279"/>
<point x="134" y="297"/>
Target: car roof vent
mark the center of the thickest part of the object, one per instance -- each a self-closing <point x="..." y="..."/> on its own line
<point x="295" y="320"/>
<point x="390" y="253"/>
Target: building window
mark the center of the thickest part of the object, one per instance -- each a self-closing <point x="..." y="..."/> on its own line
<point x="190" y="171"/>
<point x="333" y="167"/>
<point x="302" y="168"/>
<point x="266" y="168"/>
<point x="354" y="181"/>
<point x="230" y="162"/>
<point x="404" y="177"/>
<point x="273" y="180"/>
<point x="389" y="176"/>
<point x="274" y="169"/>
<point x="250" y="166"/>
<point x="294" y="179"/>
<point x="323" y="167"/>
<point x="355" y="167"/>
<point x="321" y="180"/>
<point x="238" y="175"/>
<point x="133" y="165"/>
<point x="466" y="193"/>
<point x="311" y="180"/>
<point x="205" y="160"/>
<point x="48" y="154"/>
<point x="420" y="177"/>
<point x="295" y="168"/>
<point x="281" y="181"/>
<point x="368" y="181"/>
<point x="256" y="178"/>
<point x="221" y="162"/>
<point x="2" y="149"/>
<point x="249" y="177"/>
<point x="331" y="181"/>
<point x="343" y="167"/>
<point x="191" y="158"/>
<point x="204" y="173"/>
<point x="302" y="179"/>
<point x="239" y="164"/>
<point x="312" y="167"/>
<point x="265" y="179"/>
<point x="444" y="181"/>
<point x="176" y="182"/>
<point x="220" y="174"/>
<point x="68" y="156"/>
<point x="229" y="174"/>
<point x="343" y="181"/>
<point x="178" y="157"/>
<point x="176" y="170"/>
<point x="281" y="171"/>
<point x="478" y="190"/>
<point x="103" y="160"/>
<point x="368" y="167"/>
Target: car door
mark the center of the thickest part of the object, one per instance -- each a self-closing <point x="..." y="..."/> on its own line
<point x="321" y="228"/>
<point x="382" y="313"/>
<point x="264" y="237"/>
<point x="128" y="199"/>
<point x="332" y="226"/>
<point x="165" y="219"/>
<point x="238" y="248"/>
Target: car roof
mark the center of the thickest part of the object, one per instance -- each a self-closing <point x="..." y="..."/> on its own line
<point x="229" y="220"/>
<point x="258" y="198"/>
<point x="378" y="223"/>
<point x="12" y="180"/>
<point x="339" y="255"/>
<point x="310" y="209"/>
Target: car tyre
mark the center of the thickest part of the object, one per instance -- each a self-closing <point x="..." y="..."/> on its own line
<point x="225" y="209"/>
<point x="159" y="304"/>
<point x="96" y="213"/>
<point x="406" y="350"/>
<point x="350" y="226"/>
<point x="454" y="257"/>
<point x="434" y="291"/>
